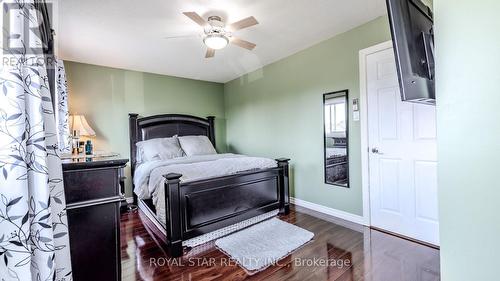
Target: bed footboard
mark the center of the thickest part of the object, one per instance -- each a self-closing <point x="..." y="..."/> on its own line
<point x="199" y="207"/>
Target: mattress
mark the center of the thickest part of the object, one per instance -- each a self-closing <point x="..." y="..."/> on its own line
<point x="149" y="180"/>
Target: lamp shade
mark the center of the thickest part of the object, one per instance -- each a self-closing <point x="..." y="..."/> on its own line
<point x="80" y="124"/>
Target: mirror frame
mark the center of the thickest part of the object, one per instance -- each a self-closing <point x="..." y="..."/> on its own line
<point x="346" y="92"/>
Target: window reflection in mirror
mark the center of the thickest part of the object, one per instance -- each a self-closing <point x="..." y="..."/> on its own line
<point x="335" y="108"/>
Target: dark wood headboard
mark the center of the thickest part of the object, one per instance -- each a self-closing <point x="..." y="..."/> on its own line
<point x="167" y="125"/>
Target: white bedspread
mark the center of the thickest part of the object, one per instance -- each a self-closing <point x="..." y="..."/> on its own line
<point x="149" y="180"/>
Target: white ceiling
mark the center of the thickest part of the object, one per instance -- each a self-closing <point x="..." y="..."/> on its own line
<point x="129" y="34"/>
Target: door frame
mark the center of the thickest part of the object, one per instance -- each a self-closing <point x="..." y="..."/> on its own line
<point x="363" y="103"/>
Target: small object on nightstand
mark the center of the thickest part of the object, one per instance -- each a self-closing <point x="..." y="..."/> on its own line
<point x="81" y="147"/>
<point x="88" y="147"/>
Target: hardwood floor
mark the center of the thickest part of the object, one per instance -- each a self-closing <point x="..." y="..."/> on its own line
<point x="340" y="251"/>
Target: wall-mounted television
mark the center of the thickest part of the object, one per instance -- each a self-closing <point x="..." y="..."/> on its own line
<point x="413" y="38"/>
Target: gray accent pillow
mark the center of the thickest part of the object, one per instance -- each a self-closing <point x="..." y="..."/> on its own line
<point x="158" y="149"/>
<point x="196" y="145"/>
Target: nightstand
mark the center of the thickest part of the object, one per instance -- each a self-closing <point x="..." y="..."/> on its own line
<point x="93" y="196"/>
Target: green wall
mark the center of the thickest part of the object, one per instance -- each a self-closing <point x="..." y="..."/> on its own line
<point x="106" y="96"/>
<point x="277" y="111"/>
<point x="468" y="102"/>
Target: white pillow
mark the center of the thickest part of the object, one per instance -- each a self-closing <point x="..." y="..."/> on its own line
<point x="196" y="145"/>
<point x="158" y="149"/>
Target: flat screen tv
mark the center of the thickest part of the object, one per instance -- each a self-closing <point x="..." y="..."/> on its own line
<point x="412" y="35"/>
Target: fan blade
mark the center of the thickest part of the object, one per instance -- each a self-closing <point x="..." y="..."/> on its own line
<point x="244" y="23"/>
<point x="196" y="18"/>
<point x="210" y="53"/>
<point x="242" y="43"/>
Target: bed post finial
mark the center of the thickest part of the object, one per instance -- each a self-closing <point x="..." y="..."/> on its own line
<point x="211" y="129"/>
<point x="173" y="211"/>
<point x="284" y="204"/>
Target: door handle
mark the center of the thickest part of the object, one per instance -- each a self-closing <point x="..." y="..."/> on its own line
<point x="375" y="151"/>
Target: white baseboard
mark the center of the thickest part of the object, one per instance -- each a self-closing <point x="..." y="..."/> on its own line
<point x="328" y="211"/>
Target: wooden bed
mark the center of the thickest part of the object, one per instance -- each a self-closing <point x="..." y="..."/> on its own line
<point x="199" y="207"/>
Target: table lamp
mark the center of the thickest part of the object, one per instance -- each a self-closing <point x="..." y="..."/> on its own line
<point x="79" y="127"/>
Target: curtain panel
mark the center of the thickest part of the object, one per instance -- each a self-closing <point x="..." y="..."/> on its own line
<point x="34" y="242"/>
<point x="61" y="108"/>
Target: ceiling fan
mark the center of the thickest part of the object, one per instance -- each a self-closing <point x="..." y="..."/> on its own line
<point x="217" y="35"/>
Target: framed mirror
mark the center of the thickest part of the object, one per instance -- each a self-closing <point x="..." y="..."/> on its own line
<point x="336" y="138"/>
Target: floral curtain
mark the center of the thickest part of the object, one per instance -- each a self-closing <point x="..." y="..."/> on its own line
<point x="34" y="242"/>
<point x="61" y="108"/>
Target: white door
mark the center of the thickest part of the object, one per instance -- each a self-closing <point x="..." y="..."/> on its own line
<point x="402" y="155"/>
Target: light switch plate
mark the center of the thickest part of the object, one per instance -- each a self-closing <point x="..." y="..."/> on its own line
<point x="355" y="116"/>
<point x="355" y="104"/>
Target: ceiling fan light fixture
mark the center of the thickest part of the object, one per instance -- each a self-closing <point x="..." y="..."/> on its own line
<point x="216" y="41"/>
<point x="218" y="35"/>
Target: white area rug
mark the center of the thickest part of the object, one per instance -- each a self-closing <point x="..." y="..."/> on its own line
<point x="193" y="242"/>
<point x="264" y="244"/>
